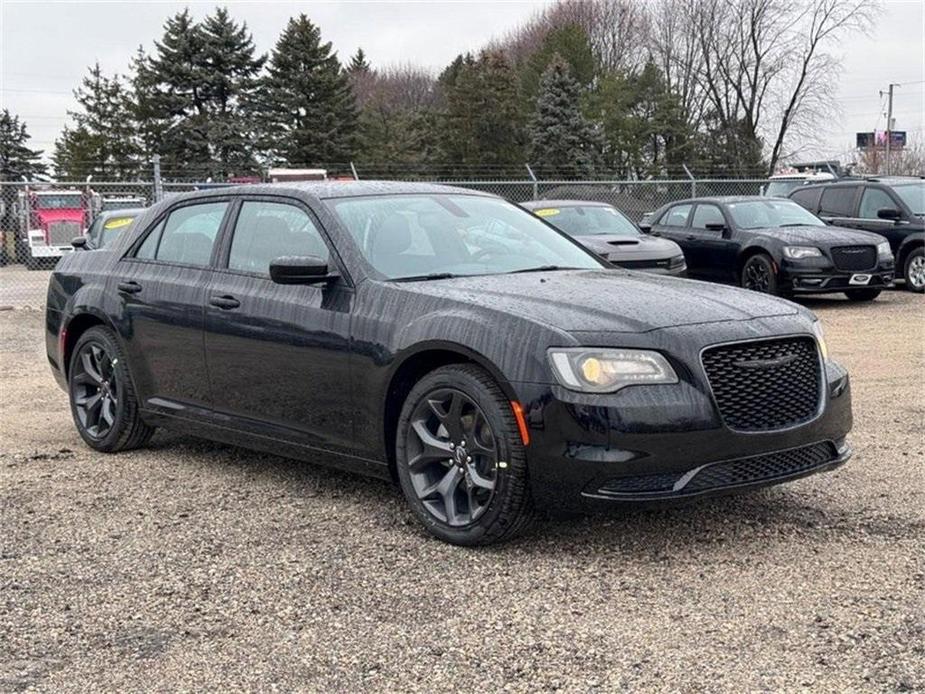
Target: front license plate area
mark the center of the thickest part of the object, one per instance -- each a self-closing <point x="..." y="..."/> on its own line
<point x="859" y="279"/>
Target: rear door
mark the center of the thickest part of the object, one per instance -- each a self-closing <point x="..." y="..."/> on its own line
<point x="838" y="204"/>
<point x="162" y="283"/>
<point x="279" y="355"/>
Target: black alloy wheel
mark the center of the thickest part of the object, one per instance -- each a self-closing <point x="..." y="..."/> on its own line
<point x="460" y="458"/>
<point x="759" y="276"/>
<point x="452" y="456"/>
<point x="103" y="401"/>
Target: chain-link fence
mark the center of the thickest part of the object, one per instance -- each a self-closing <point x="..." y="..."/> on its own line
<point x="38" y="220"/>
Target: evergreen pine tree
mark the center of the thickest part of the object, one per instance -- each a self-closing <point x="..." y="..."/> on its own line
<point x="358" y="63"/>
<point x="17" y="161"/>
<point x="483" y="120"/>
<point x="562" y="141"/>
<point x="308" y="107"/>
<point x="103" y="142"/>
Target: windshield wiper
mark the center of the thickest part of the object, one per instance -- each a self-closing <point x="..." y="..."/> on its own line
<point x="543" y="268"/>
<point x="424" y="278"/>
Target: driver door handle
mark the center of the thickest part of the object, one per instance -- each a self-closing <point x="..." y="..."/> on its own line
<point x="691" y="237"/>
<point x="224" y="302"/>
<point x="129" y="287"/>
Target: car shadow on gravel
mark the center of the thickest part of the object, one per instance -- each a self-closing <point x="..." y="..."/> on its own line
<point x="749" y="519"/>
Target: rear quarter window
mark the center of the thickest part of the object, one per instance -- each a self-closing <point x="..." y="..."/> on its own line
<point x="808" y="198"/>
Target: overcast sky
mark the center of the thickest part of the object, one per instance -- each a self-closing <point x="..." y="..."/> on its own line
<point x="46" y="46"/>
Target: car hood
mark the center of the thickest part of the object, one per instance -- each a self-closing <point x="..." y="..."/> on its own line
<point x="814" y="236"/>
<point x="627" y="247"/>
<point x="606" y="300"/>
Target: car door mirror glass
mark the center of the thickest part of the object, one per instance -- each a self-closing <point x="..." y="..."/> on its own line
<point x="300" y="269"/>
<point x="889" y="213"/>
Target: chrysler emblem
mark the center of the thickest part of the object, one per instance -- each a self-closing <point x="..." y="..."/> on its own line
<point x="766" y="363"/>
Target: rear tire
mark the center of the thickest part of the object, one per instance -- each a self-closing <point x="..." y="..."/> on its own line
<point x="861" y="295"/>
<point x="758" y="275"/>
<point x="914" y="270"/>
<point x="103" y="401"/>
<point x="460" y="459"/>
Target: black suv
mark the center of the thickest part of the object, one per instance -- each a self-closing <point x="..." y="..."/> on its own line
<point x="892" y="207"/>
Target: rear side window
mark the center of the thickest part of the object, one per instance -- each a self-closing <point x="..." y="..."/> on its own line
<point x="676" y="216"/>
<point x="872" y="200"/>
<point x="186" y="236"/>
<point x="837" y="201"/>
<point x="707" y="214"/>
<point x="266" y="231"/>
<point x="808" y="198"/>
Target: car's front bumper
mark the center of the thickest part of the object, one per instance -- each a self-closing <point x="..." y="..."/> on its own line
<point x="668" y="442"/>
<point x="800" y="277"/>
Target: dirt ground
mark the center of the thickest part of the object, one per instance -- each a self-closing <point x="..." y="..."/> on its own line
<point x="192" y="566"/>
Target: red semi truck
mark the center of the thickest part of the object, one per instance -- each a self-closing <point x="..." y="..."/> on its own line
<point x="48" y="221"/>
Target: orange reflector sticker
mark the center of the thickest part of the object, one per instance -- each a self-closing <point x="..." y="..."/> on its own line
<point x="521" y="422"/>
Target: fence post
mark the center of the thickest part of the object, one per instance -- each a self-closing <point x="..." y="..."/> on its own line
<point x="536" y="191"/>
<point x="158" y="184"/>
<point x="356" y="176"/>
<point x="693" y="180"/>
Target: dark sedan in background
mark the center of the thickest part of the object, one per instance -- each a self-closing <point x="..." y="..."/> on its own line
<point x="381" y="328"/>
<point x="775" y="246"/>
<point x="603" y="229"/>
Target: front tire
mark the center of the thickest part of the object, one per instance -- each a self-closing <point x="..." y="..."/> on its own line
<point x="914" y="271"/>
<point x="758" y="274"/>
<point x="103" y="401"/>
<point x="861" y="295"/>
<point x="460" y="459"/>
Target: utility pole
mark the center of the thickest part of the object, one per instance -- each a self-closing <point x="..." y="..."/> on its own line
<point x="889" y="126"/>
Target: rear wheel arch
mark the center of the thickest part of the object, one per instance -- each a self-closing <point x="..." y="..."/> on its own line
<point x="75" y="327"/>
<point x="412" y="368"/>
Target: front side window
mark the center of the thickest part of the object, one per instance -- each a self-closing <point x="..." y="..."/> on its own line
<point x="411" y="236"/>
<point x="763" y="214"/>
<point x="266" y="231"/>
<point x="588" y="220"/>
<point x="837" y="201"/>
<point x="872" y="200"/>
<point x="677" y="216"/>
<point x="186" y="236"/>
<point x="707" y="214"/>
<point x="913" y="194"/>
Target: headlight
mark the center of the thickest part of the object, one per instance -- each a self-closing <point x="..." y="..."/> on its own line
<point x="802" y="252"/>
<point x="820" y="338"/>
<point x="676" y="261"/>
<point x="608" y="370"/>
<point x="884" y="250"/>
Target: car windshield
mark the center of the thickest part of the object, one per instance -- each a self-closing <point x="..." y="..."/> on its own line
<point x="57" y="202"/>
<point x="587" y="220"/>
<point x="104" y="232"/>
<point x="781" y="188"/>
<point x="761" y="214"/>
<point x="913" y="194"/>
<point x="416" y="236"/>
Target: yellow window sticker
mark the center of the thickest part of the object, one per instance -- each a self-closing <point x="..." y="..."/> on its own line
<point x="546" y="212"/>
<point x="118" y="223"/>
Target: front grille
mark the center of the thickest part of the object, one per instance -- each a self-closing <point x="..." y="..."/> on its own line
<point x="855" y="257"/>
<point x="762" y="467"/>
<point x="62" y="233"/>
<point x="766" y="385"/>
<point x="641" y="264"/>
<point x="730" y="473"/>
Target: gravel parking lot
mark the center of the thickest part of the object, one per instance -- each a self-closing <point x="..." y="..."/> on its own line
<point x="191" y="565"/>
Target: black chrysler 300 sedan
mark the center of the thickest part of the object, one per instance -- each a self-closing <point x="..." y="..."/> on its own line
<point x="380" y="327"/>
<point x="775" y="246"/>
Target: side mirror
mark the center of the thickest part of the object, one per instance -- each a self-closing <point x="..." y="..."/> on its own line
<point x="79" y="242"/>
<point x="300" y="269"/>
<point x="645" y="227"/>
<point x="889" y="213"/>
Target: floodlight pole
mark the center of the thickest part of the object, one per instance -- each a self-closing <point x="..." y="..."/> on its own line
<point x="889" y="128"/>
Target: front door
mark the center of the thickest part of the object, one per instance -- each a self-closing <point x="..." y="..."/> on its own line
<point x="162" y="285"/>
<point x="278" y="355"/>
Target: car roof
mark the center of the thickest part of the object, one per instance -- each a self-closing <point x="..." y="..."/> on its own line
<point x="326" y="190"/>
<point x="541" y="204"/>
<point x="723" y="199"/>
